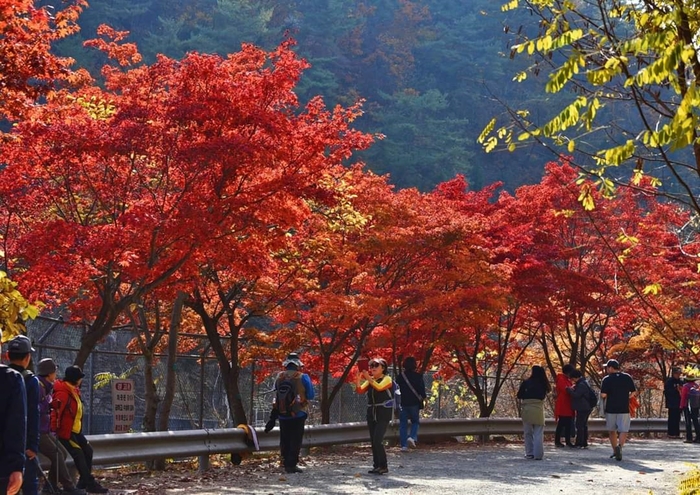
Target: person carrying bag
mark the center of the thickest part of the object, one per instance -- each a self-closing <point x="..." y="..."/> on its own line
<point x="412" y="401"/>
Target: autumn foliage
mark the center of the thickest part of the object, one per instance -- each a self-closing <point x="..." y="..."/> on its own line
<point x="205" y="181"/>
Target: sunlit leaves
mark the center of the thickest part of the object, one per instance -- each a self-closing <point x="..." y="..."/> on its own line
<point x="14" y="309"/>
<point x="631" y="59"/>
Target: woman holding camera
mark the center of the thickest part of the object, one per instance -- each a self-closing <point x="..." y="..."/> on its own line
<point x="380" y="404"/>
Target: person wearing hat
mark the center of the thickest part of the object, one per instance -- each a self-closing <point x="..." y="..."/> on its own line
<point x="293" y="390"/>
<point x="67" y="419"/>
<point x="616" y="389"/>
<point x="379" y="387"/>
<point x="48" y="444"/>
<point x="672" y="395"/>
<point x="13" y="424"/>
<point x="19" y="352"/>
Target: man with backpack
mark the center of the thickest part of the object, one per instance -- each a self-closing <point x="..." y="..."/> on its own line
<point x="293" y="390"/>
<point x="19" y="352"/>
<point x="690" y="404"/>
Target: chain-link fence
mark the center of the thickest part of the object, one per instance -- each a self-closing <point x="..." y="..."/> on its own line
<point x="200" y="397"/>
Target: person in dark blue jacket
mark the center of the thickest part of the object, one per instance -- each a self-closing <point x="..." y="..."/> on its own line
<point x="412" y="400"/>
<point x="13" y="427"/>
<point x="579" y="402"/>
<point x="19" y="351"/>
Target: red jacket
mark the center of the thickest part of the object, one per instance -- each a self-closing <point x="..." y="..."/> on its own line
<point x="64" y="409"/>
<point x="562" y="407"/>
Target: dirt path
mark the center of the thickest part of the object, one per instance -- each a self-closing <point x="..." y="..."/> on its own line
<point x="649" y="466"/>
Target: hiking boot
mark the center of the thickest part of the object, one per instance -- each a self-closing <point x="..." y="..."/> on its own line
<point x="73" y="491"/>
<point x="618" y="453"/>
<point x="381" y="470"/>
<point x="293" y="469"/>
<point x="95" y="487"/>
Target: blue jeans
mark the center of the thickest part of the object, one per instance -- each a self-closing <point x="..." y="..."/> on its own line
<point x="534" y="440"/>
<point x="412" y="413"/>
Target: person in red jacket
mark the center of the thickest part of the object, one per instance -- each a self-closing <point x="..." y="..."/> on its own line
<point x="67" y="421"/>
<point x="563" y="411"/>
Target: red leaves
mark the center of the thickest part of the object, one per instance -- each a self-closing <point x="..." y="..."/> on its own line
<point x="173" y="164"/>
<point x="29" y="69"/>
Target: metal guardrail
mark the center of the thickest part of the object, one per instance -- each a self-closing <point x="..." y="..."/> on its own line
<point x="135" y="447"/>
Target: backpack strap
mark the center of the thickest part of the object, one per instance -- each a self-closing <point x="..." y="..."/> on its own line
<point x="405" y="378"/>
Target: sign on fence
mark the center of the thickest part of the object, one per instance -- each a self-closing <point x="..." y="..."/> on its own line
<point x="123" y="409"/>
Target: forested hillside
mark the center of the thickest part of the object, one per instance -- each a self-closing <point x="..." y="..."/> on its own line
<point x="431" y="71"/>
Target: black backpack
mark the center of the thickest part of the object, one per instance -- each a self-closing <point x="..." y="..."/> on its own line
<point x="290" y="396"/>
<point x="591" y="397"/>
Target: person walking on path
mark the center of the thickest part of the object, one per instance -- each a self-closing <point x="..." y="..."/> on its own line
<point x="48" y="444"/>
<point x="616" y="390"/>
<point x="580" y="394"/>
<point x="563" y="412"/>
<point x="293" y="390"/>
<point x="13" y="427"/>
<point x="532" y="393"/>
<point x="412" y="401"/>
<point x="690" y="404"/>
<point x="378" y="386"/>
<point x="672" y="395"/>
<point x="19" y="352"/>
<point x="67" y="421"/>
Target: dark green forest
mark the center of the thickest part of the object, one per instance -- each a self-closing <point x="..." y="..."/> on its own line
<point x="432" y="72"/>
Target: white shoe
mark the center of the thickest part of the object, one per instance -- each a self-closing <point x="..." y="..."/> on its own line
<point x="411" y="442"/>
<point x="404" y="449"/>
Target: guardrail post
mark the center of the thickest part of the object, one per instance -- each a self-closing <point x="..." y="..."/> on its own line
<point x="203" y="464"/>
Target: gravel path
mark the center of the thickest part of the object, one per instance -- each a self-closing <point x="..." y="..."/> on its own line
<point x="648" y="466"/>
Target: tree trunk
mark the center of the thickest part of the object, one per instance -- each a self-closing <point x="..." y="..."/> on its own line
<point x="325" y="398"/>
<point x="170" y="376"/>
<point x="150" y="393"/>
<point x="235" y="396"/>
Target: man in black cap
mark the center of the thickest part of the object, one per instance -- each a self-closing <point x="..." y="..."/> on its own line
<point x="293" y="390"/>
<point x="68" y="408"/>
<point x="617" y="388"/>
<point x="13" y="425"/>
<point x="672" y="394"/>
<point x="19" y="352"/>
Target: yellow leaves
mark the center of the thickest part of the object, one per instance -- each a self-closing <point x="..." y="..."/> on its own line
<point x="490" y="142"/>
<point x="520" y="76"/>
<point x="679" y="132"/>
<point x="585" y="197"/>
<point x="564" y="213"/>
<point x="568" y="117"/>
<point x="617" y="155"/>
<point x="14" y="308"/>
<point x="97" y="109"/>
<point x="512" y="5"/>
<point x="652" y="289"/>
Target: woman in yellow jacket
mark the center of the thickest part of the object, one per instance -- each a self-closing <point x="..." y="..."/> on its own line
<point x="380" y="406"/>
